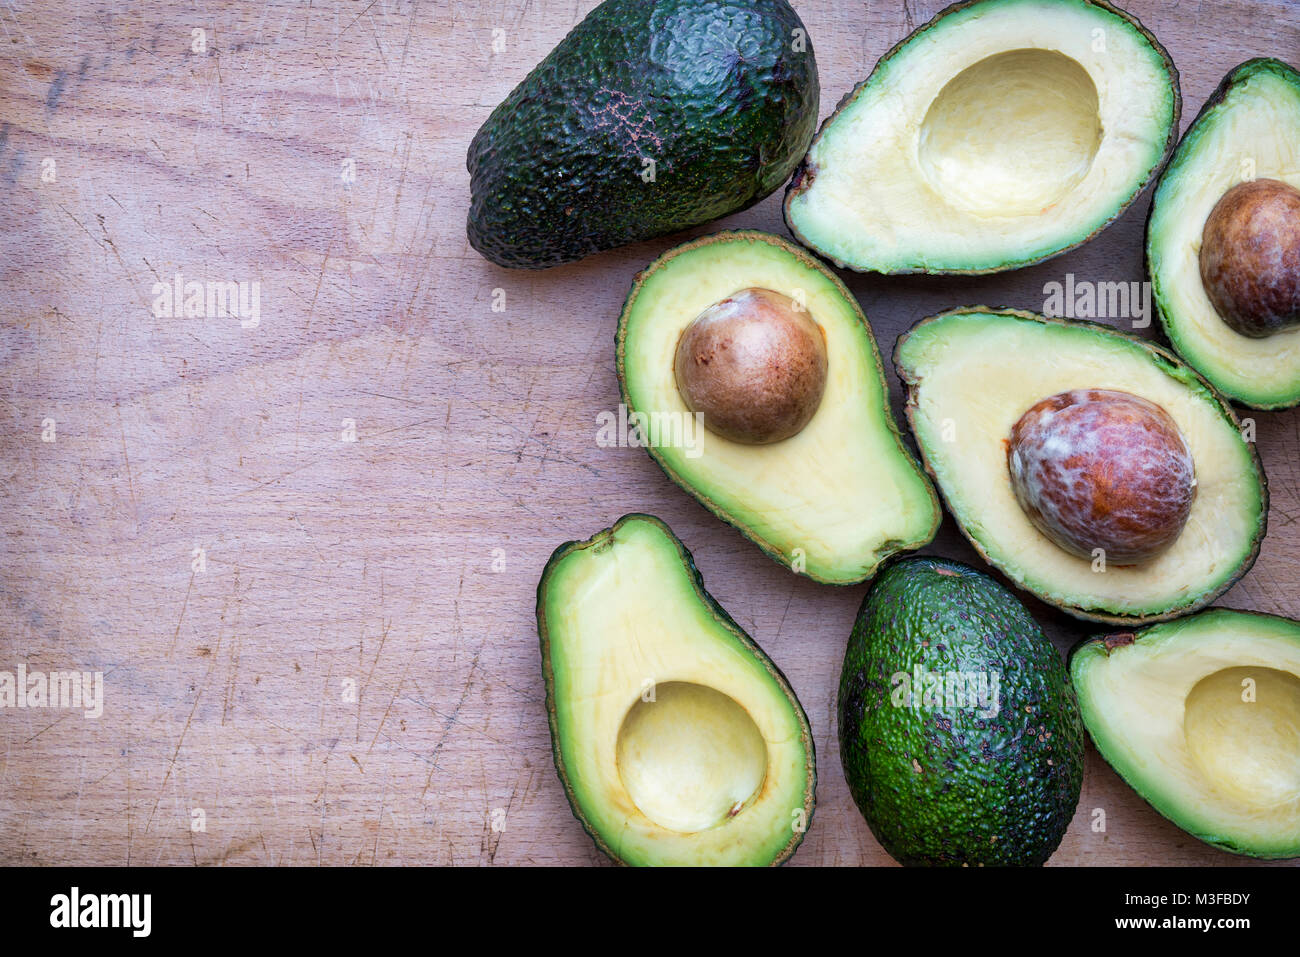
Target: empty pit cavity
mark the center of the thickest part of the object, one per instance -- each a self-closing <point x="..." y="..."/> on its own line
<point x="1249" y="749"/>
<point x="692" y="758"/>
<point x="1013" y="134"/>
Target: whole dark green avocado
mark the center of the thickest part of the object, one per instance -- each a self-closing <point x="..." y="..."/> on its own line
<point x="957" y="776"/>
<point x="650" y="117"/>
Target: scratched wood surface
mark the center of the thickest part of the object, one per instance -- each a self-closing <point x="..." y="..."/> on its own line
<point x="318" y="149"/>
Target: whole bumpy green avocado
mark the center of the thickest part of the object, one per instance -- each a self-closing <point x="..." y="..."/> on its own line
<point x="650" y="117"/>
<point x="960" y="734"/>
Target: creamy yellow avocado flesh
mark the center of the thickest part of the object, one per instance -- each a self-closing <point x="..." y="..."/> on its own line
<point x="1202" y="718"/>
<point x="833" y="500"/>
<point x="997" y="135"/>
<point x="972" y="374"/>
<point x="678" y="740"/>
<point x="1253" y="133"/>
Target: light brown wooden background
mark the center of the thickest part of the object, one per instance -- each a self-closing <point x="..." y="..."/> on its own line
<point x="373" y="561"/>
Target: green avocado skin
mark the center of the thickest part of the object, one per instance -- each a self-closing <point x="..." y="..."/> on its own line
<point x="721" y="95"/>
<point x="957" y="785"/>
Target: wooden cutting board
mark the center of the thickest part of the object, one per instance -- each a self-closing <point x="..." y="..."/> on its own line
<point x="323" y="651"/>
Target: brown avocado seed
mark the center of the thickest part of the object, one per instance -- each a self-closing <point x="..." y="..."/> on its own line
<point x="1100" y="469"/>
<point x="1250" y="257"/>
<point x="754" y="364"/>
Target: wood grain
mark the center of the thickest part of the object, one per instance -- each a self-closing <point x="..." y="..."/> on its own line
<point x="404" y="562"/>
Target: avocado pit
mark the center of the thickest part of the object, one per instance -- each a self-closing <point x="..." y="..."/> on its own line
<point x="754" y="365"/>
<point x="1103" y="469"/>
<point x="1250" y="257"/>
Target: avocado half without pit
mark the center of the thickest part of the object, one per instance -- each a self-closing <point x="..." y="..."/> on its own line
<point x="1105" y="476"/>
<point x="676" y="738"/>
<point x="999" y="134"/>
<point x="1223" y="238"/>
<point x="799" y="448"/>
<point x="1201" y="717"/>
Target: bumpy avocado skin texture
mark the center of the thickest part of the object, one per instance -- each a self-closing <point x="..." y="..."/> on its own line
<point x="546" y="595"/>
<point x="722" y="95"/>
<point x="950" y="786"/>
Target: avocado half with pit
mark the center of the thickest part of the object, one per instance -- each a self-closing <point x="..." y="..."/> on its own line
<point x="1245" y="141"/>
<point x="676" y="739"/>
<point x="975" y="376"/>
<point x="840" y="494"/>
<point x="999" y="134"/>
<point x="1201" y="717"/>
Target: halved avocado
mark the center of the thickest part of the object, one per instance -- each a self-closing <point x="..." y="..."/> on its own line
<point x="676" y="739"/>
<point x="972" y="372"/>
<point x="831" y="501"/>
<point x="1202" y="718"/>
<point x="1249" y="129"/>
<point x="999" y="134"/>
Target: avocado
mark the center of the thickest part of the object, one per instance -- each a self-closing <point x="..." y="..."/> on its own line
<point x="651" y="116"/>
<point x="834" y="499"/>
<point x="676" y="739"/>
<point x="999" y="134"/>
<point x="959" y="731"/>
<point x="1201" y="717"/>
<point x="1247" y="131"/>
<point x="962" y="405"/>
